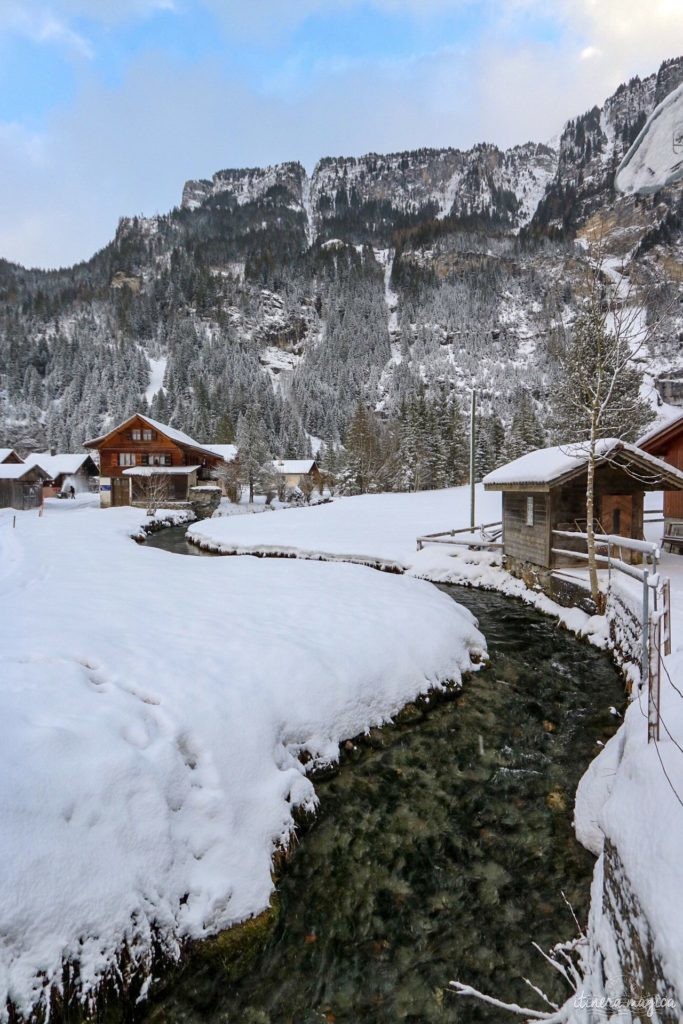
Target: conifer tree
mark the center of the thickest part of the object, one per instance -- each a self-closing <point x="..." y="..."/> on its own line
<point x="252" y="449"/>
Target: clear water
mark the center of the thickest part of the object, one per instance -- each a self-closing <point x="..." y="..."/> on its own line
<point x="173" y="539"/>
<point x="441" y="853"/>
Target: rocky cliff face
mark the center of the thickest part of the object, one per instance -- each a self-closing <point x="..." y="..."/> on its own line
<point x="368" y="279"/>
<point x="485" y="181"/>
<point x="591" y="148"/>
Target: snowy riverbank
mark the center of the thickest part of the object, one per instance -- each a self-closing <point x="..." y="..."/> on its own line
<point x="631" y="794"/>
<point x="155" y="708"/>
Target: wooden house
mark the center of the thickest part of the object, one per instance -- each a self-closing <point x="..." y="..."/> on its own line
<point x="8" y="456"/>
<point x="666" y="442"/>
<point x="63" y="471"/>
<point x="546" y="490"/>
<point x="21" y="486"/>
<point x="294" y="470"/>
<point x="141" y="447"/>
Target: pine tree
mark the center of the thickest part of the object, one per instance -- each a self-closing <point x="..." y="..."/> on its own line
<point x="252" y="449"/>
<point x="362" y="450"/>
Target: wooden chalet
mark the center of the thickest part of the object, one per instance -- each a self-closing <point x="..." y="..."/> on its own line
<point x="21" y="486"/>
<point x="8" y="456"/>
<point x="546" y="490"/>
<point x="77" y="470"/>
<point x="141" y="447"/>
<point x="666" y="442"/>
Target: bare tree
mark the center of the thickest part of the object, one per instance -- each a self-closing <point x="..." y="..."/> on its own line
<point x="597" y="389"/>
<point x="307" y="485"/>
<point x="154" y="490"/>
<point x="229" y="477"/>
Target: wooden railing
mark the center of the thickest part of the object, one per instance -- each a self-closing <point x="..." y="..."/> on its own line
<point x="487" y="535"/>
<point x="655" y="619"/>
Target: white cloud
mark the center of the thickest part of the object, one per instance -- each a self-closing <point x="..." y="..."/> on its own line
<point x="128" y="149"/>
<point x="41" y="25"/>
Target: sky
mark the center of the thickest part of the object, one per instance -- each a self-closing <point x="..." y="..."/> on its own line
<point x="108" y="106"/>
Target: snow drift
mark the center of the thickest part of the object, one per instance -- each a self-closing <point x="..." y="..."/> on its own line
<point x="154" y="709"/>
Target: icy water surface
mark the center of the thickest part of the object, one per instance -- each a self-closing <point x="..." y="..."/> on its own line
<point x="441" y="854"/>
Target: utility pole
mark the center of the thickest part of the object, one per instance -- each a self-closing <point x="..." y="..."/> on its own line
<point x="472" y="441"/>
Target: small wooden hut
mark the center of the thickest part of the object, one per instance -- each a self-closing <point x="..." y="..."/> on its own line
<point x="546" y="491"/>
<point x="21" y="486"/>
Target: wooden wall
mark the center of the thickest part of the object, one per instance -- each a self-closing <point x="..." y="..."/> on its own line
<point x="522" y="542"/>
<point x="20" y="495"/>
<point x="673" y="500"/>
<point x="564" y="508"/>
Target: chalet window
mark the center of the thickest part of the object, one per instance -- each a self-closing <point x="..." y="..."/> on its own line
<point x="136" y="435"/>
<point x="530" y="510"/>
<point x="616" y="520"/>
<point x="149" y="435"/>
<point x="154" y="459"/>
<point x="126" y="459"/>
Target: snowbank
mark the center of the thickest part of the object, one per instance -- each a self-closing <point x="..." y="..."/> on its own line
<point x="630" y="795"/>
<point x="154" y="708"/>
<point x="371" y="529"/>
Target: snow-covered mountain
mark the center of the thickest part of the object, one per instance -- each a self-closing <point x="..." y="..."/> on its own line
<point x="483" y="181"/>
<point x="370" y="280"/>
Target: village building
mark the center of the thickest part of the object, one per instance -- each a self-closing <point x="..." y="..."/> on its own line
<point x="8" y="456"/>
<point x="545" y="491"/>
<point x="140" y="448"/>
<point x="21" y="485"/>
<point x="666" y="442"/>
<point x="63" y="471"/>
<point x="293" y="470"/>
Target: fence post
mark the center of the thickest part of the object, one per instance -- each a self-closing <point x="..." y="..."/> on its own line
<point x="645" y="658"/>
<point x="654" y="680"/>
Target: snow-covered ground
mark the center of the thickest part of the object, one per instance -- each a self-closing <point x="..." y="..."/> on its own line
<point x="157" y="371"/>
<point x="371" y="528"/>
<point x="154" y="708"/>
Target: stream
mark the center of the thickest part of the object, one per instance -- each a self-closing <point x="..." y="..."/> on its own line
<point x="440" y="852"/>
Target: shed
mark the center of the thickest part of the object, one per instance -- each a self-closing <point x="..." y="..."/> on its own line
<point x="21" y="486"/>
<point x="546" y="490"/>
<point x="64" y="470"/>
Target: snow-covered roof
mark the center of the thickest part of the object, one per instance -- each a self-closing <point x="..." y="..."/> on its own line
<point x="544" y="466"/>
<point x="287" y="466"/>
<point x="662" y="426"/>
<point x="172" y="433"/>
<point x="656" y="157"/>
<point x="160" y="470"/>
<point x="17" y="470"/>
<point x="226" y="451"/>
<point x="6" y="452"/>
<point x="58" y="465"/>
